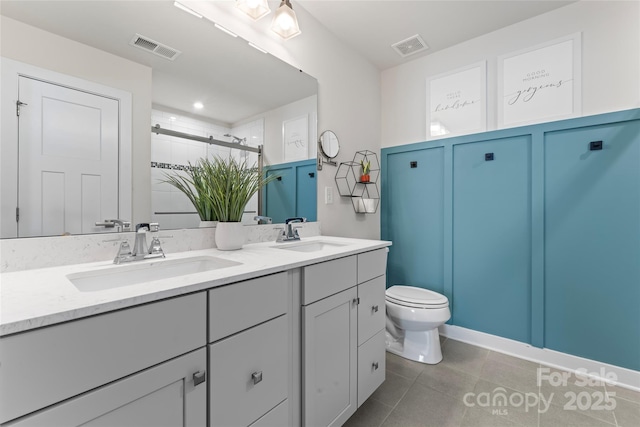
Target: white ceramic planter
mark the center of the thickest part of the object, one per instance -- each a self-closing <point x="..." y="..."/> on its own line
<point x="229" y="236"/>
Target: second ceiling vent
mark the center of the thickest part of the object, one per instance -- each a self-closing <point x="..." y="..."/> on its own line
<point x="154" y="47"/>
<point x="410" y="46"/>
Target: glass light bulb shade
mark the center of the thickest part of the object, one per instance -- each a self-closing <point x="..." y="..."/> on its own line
<point x="285" y="22"/>
<point x="255" y="9"/>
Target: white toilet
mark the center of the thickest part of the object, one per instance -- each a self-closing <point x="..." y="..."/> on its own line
<point x="413" y="317"/>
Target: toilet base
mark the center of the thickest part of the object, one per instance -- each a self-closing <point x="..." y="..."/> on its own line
<point x="420" y="346"/>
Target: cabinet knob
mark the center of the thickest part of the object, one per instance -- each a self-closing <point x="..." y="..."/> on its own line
<point x="356" y="301"/>
<point x="256" y="377"/>
<point x="199" y="378"/>
<point x="374" y="366"/>
<point x="374" y="309"/>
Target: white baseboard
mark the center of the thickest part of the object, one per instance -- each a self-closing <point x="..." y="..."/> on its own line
<point x="615" y="375"/>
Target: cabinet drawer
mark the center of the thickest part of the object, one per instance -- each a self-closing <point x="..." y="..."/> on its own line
<point x="51" y="364"/>
<point x="164" y="395"/>
<point x="239" y="306"/>
<point x="372" y="264"/>
<point x="237" y="396"/>
<point x="277" y="417"/>
<point x="371" y="366"/>
<point x="371" y="310"/>
<point x="328" y="278"/>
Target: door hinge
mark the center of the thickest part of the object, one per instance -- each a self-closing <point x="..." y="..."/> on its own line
<point x="17" y="214"/>
<point x="18" y="105"/>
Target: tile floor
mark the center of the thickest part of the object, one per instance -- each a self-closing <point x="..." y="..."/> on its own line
<point x="418" y="395"/>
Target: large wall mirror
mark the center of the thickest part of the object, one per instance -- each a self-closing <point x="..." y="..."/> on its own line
<point x="249" y="97"/>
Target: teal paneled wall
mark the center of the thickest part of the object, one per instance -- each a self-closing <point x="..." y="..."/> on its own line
<point x="294" y="194"/>
<point x="592" y="243"/>
<point x="540" y="245"/>
<point x="492" y="236"/>
<point x="417" y="197"/>
<point x="306" y="191"/>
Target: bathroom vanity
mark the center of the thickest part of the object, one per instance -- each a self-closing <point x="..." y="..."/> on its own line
<point x="271" y="335"/>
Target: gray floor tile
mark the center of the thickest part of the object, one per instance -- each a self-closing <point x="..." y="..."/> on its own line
<point x="392" y="389"/>
<point x="479" y="418"/>
<point x="371" y="414"/>
<point x="558" y="416"/>
<point x="463" y="357"/>
<point x="578" y="394"/>
<point x="524" y="380"/>
<point x="430" y="407"/>
<point x="520" y="408"/>
<point x="449" y="381"/>
<point x="624" y="393"/>
<point x="397" y="420"/>
<point x="627" y="413"/>
<point x="513" y="361"/>
<point x="403" y="367"/>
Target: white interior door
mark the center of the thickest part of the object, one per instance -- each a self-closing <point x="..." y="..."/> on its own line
<point x="68" y="159"/>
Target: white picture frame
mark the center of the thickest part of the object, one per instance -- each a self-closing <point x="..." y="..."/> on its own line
<point x="295" y="138"/>
<point x="540" y="83"/>
<point x="457" y="102"/>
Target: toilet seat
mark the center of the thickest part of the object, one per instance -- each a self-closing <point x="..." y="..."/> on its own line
<point x="410" y="296"/>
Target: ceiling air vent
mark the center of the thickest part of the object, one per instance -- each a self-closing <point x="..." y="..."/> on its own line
<point x="410" y="46"/>
<point x="154" y="47"/>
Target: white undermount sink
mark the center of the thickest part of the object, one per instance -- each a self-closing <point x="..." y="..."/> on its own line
<point x="312" y="246"/>
<point x="145" y="271"/>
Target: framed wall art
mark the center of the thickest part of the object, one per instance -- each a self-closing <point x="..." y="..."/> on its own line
<point x="540" y="83"/>
<point x="456" y="102"/>
<point x="295" y="138"/>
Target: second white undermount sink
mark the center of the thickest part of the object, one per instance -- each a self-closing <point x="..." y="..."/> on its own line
<point x="145" y="271"/>
<point x="312" y="246"/>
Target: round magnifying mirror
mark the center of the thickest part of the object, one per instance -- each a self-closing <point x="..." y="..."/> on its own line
<point x="329" y="144"/>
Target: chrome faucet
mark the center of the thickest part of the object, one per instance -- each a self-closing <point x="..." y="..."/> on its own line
<point x="140" y="251"/>
<point x="262" y="219"/>
<point x="290" y="233"/>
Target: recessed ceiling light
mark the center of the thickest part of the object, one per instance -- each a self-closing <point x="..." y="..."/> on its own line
<point x="173" y="119"/>
<point x="198" y="105"/>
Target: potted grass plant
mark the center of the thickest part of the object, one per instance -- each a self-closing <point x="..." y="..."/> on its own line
<point x="222" y="187"/>
<point x="195" y="183"/>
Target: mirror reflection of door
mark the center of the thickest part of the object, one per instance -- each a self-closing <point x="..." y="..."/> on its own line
<point x="68" y="160"/>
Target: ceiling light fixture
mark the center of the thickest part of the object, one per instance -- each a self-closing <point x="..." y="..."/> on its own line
<point x="255" y="9"/>
<point x="186" y="9"/>
<point x="198" y="105"/>
<point x="285" y="23"/>
<point x="224" y="30"/>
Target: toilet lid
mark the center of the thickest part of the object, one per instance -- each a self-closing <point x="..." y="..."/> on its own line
<point x="416" y="297"/>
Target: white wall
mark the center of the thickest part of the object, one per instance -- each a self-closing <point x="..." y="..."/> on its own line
<point x="33" y="46"/>
<point x="610" y="64"/>
<point x="348" y="98"/>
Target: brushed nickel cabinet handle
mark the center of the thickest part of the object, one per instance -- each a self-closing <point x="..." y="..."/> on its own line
<point x="199" y="378"/>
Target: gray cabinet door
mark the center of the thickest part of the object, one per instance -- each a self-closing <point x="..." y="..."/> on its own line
<point x="330" y="360"/>
<point x="165" y="395"/>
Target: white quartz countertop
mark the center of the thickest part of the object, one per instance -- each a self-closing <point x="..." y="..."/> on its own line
<point x="35" y="298"/>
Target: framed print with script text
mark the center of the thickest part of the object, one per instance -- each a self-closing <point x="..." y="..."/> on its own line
<point x="295" y="138"/>
<point x="540" y="83"/>
<point x="456" y="102"/>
